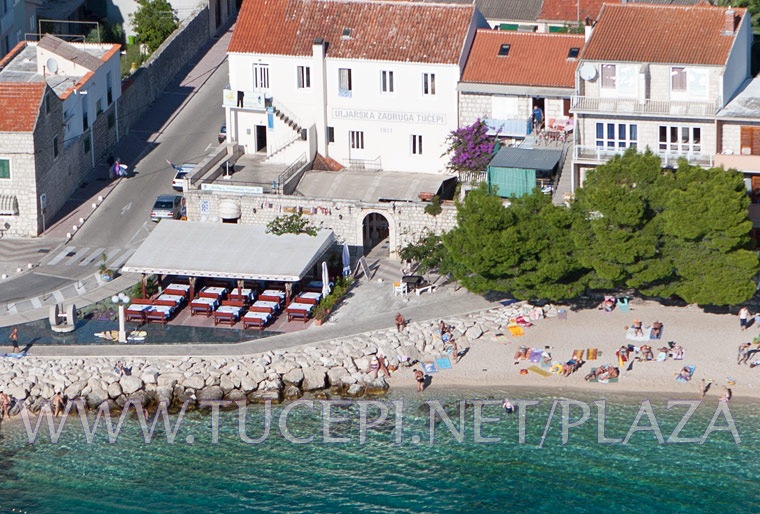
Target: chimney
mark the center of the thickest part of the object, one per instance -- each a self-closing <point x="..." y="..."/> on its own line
<point x="729" y="22"/>
<point x="588" y="28"/>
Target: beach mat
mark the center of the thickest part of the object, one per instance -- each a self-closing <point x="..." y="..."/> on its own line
<point x="516" y="331"/>
<point x="546" y="365"/>
<point x="501" y="338"/>
<point x="630" y="334"/>
<point x="651" y="333"/>
<point x="539" y="371"/>
<point x="13" y="355"/>
<point x="592" y="354"/>
<point x="429" y="367"/>
<point x="535" y="356"/>
<point x="443" y="363"/>
<point x="679" y="378"/>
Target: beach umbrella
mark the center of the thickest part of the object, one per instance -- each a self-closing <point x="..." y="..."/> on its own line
<point x="346" y="261"/>
<point x="325" y="280"/>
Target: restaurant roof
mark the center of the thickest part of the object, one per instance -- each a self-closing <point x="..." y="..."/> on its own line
<point x="228" y="251"/>
<point x="526" y="158"/>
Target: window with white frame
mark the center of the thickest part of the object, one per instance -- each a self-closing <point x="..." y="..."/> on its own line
<point x="344" y="82"/>
<point x="680" y="139"/>
<point x="428" y="83"/>
<point x="616" y="135"/>
<point x="260" y="76"/>
<point x="303" y="77"/>
<point x="357" y="139"/>
<point x="608" y="76"/>
<point x="386" y="81"/>
<point x="678" y="78"/>
<point x="416" y="144"/>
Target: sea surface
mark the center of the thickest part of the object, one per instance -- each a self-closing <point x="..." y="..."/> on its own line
<point x="300" y="472"/>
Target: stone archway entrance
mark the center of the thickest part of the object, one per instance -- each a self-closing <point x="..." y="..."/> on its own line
<point x="376" y="233"/>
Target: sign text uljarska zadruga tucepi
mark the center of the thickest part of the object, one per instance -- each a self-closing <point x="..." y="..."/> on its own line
<point x="369" y="415"/>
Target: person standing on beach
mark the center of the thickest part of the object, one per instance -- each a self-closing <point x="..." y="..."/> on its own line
<point x="14" y="339"/>
<point x="58" y="404"/>
<point x="400" y="322"/>
<point x="419" y="376"/>
<point x="5" y="403"/>
<point x="743" y="315"/>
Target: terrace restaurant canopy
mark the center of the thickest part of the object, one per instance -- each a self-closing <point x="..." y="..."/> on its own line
<point x="228" y="251"/>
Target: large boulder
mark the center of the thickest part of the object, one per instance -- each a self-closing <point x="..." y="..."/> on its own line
<point x="291" y="392"/>
<point x="293" y="377"/>
<point x="194" y="382"/>
<point x="130" y="384"/>
<point x="314" y="378"/>
<point x="262" y="396"/>
<point x="211" y="393"/>
<point x="355" y="390"/>
<point x="75" y="389"/>
<point x="226" y="384"/>
<point x="334" y="376"/>
<point x="247" y="384"/>
<point x="235" y="395"/>
<point x="376" y="385"/>
<point x="97" y="396"/>
<point x="114" y="390"/>
<point x="164" y="394"/>
<point x="474" y="332"/>
<point x="170" y="379"/>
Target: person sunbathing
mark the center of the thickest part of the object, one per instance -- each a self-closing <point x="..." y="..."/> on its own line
<point x="595" y="372"/>
<point x="727" y="394"/>
<point x="677" y="352"/>
<point x="656" y="330"/>
<point x="571" y="367"/>
<point x="646" y="352"/>
<point x="611" y="372"/>
<point x="637" y="328"/>
<point x="522" y="354"/>
<point x="685" y="374"/>
<point x="608" y="304"/>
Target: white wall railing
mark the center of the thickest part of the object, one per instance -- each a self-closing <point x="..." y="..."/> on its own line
<point x="675" y="108"/>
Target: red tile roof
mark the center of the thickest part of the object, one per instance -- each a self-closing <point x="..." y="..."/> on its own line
<point x="20" y="103"/>
<point x="661" y="34"/>
<point x="380" y="30"/>
<point x="568" y="10"/>
<point x="534" y="59"/>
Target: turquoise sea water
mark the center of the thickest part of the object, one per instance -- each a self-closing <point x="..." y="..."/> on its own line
<point x="380" y="476"/>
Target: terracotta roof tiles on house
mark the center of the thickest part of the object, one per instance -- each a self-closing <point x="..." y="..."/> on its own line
<point x="533" y="59"/>
<point x="673" y="34"/>
<point x="20" y="103"/>
<point x="569" y="11"/>
<point x="378" y="30"/>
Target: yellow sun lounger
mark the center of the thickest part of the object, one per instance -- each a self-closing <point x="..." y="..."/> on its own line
<point x="516" y="330"/>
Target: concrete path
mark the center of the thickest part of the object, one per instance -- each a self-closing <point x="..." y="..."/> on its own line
<point x="439" y="307"/>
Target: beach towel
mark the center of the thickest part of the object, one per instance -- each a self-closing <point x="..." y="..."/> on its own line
<point x="577" y="355"/>
<point x="623" y="305"/>
<point x="596" y="380"/>
<point x="13" y="355"/>
<point x="502" y="338"/>
<point x="592" y="354"/>
<point x="443" y="363"/>
<point x="516" y="331"/>
<point x="429" y="367"/>
<point x="535" y="356"/>
<point x="652" y="336"/>
<point x="646" y="337"/>
<point x="662" y="356"/>
<point x="546" y="363"/>
<point x="681" y="378"/>
<point x="539" y="371"/>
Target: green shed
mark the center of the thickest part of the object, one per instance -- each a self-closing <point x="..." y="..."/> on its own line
<point x="516" y="171"/>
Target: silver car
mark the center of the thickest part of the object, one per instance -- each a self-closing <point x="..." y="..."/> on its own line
<point x="166" y="206"/>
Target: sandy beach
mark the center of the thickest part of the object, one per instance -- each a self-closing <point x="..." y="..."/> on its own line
<point x="710" y="342"/>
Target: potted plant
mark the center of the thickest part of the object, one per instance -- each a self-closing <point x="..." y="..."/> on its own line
<point x="106" y="275"/>
<point x="320" y="314"/>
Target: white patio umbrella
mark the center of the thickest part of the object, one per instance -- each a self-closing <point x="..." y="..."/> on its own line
<point x="325" y="280"/>
<point x="346" y="261"/>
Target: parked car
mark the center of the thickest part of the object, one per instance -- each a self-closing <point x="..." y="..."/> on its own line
<point x="177" y="181"/>
<point x="166" y="207"/>
<point x="223" y="132"/>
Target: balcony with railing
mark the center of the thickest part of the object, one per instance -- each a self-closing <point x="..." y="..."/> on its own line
<point x="738" y="162"/>
<point x="601" y="154"/>
<point x="251" y="100"/>
<point x="513" y="127"/>
<point x="632" y="106"/>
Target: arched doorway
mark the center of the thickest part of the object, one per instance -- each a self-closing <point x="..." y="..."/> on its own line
<point x="376" y="233"/>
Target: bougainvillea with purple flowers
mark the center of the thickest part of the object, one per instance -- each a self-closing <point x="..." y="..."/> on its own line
<point x="471" y="148"/>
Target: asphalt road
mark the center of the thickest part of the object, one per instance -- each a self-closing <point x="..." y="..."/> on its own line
<point x="124" y="218"/>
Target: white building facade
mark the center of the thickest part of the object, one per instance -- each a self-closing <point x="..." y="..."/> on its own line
<point x="391" y="113"/>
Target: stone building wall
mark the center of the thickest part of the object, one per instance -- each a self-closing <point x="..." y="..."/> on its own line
<point x="473" y="106"/>
<point x="408" y="222"/>
<point x="18" y="147"/>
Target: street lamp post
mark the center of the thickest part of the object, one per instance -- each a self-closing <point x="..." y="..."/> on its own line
<point x="121" y="300"/>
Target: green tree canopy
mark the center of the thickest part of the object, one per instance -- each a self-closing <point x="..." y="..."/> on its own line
<point x="154" y="21"/>
<point x="291" y="224"/>
<point x="524" y="249"/>
<point x="617" y="230"/>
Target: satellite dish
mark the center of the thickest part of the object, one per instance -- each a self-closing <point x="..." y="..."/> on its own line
<point x="52" y="66"/>
<point x="588" y="71"/>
